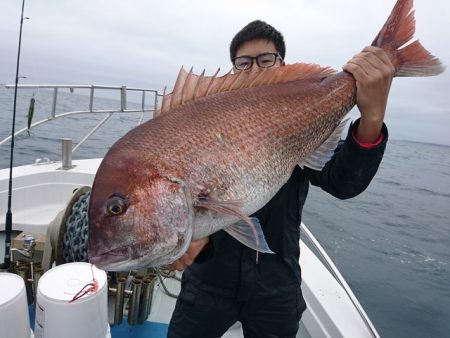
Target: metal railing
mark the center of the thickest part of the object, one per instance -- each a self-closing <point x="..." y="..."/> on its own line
<point x="122" y="109"/>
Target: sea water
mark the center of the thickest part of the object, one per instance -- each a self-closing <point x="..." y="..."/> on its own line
<point x="391" y="243"/>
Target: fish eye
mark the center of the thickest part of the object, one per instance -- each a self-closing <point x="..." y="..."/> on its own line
<point x="116" y="206"/>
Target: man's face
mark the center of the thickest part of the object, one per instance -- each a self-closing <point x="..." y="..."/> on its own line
<point x="254" y="48"/>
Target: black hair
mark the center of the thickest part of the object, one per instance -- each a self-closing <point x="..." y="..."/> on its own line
<point x="258" y="30"/>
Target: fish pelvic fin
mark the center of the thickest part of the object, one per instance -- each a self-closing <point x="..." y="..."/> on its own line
<point x="409" y="58"/>
<point x="244" y="234"/>
<point x="248" y="230"/>
<point x="189" y="86"/>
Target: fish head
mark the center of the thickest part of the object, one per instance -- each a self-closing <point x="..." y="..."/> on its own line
<point x="137" y="219"/>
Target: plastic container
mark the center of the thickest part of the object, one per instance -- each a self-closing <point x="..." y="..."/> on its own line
<point x="14" y="319"/>
<point x="58" y="317"/>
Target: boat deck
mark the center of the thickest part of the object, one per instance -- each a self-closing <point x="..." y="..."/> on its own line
<point x="40" y="192"/>
<point x="157" y="324"/>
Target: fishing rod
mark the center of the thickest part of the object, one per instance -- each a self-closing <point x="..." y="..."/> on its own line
<point x="8" y="223"/>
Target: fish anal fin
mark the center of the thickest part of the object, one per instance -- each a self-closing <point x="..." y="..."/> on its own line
<point x="325" y="151"/>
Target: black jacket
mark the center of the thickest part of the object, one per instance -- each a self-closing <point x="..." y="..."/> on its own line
<point x="231" y="270"/>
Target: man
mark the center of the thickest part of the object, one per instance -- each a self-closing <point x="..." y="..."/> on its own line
<point x="222" y="282"/>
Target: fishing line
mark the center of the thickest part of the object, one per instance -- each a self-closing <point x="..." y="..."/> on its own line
<point x="89" y="288"/>
<point x="8" y="222"/>
<point x="34" y="69"/>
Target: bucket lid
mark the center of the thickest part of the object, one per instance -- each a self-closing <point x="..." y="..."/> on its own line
<point x="64" y="281"/>
<point x="11" y="286"/>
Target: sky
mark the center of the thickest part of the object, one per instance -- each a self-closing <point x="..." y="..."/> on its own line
<point x="142" y="43"/>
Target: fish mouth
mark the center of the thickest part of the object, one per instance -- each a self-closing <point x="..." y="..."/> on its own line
<point x="114" y="257"/>
<point x="126" y="257"/>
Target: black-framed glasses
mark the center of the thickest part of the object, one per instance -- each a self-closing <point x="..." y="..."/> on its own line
<point x="265" y="60"/>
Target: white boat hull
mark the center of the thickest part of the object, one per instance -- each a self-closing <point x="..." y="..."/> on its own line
<point x="41" y="191"/>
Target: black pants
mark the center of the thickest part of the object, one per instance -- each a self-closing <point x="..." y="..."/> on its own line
<point x="199" y="314"/>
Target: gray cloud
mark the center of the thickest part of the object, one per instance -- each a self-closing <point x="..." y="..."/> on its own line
<point x="144" y="43"/>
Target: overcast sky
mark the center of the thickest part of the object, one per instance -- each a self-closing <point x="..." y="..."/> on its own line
<point x="144" y="43"/>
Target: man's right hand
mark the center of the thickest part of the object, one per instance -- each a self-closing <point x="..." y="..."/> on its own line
<point x="195" y="247"/>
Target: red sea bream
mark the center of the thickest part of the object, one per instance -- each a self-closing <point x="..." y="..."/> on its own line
<point x="219" y="150"/>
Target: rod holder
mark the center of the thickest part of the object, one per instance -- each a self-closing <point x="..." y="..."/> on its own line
<point x="24" y="272"/>
<point x="146" y="299"/>
<point x="38" y="272"/>
<point x="120" y="295"/>
<point x="133" y="311"/>
<point x="139" y="277"/>
<point x="66" y="153"/>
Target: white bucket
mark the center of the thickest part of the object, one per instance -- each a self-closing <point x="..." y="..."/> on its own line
<point x="57" y="317"/>
<point x="14" y="319"/>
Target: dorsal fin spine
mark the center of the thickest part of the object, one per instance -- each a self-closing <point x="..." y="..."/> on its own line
<point x="177" y="85"/>
<point x="271" y="78"/>
<point x="208" y="90"/>
<point x="222" y="85"/>
<point x="158" y="112"/>
<point x="197" y="87"/>
<point x="185" y="85"/>
<point x="255" y="79"/>
<point x="236" y="78"/>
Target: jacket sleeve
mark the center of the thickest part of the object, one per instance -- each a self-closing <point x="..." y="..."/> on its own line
<point x="351" y="168"/>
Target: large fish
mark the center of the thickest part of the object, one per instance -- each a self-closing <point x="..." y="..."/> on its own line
<point x="221" y="148"/>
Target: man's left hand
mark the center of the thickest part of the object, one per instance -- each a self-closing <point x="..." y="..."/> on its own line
<point x="373" y="72"/>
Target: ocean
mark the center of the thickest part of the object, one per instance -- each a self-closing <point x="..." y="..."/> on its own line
<point x="391" y="243"/>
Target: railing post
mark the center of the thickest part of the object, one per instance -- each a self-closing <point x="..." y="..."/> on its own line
<point x="55" y="95"/>
<point x="123" y="98"/>
<point x="143" y="100"/>
<point x="66" y="153"/>
<point x="155" y="104"/>
<point x="91" y="99"/>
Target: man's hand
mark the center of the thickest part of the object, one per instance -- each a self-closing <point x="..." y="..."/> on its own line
<point x="189" y="256"/>
<point x="373" y="72"/>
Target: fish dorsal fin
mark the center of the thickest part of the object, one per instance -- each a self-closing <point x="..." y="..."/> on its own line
<point x="190" y="86"/>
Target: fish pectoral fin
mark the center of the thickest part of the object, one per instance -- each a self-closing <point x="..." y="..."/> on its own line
<point x="242" y="232"/>
<point x="322" y="155"/>
<point x="248" y="230"/>
<point x="232" y="207"/>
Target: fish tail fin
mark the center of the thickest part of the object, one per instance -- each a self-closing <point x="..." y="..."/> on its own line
<point x="409" y="59"/>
